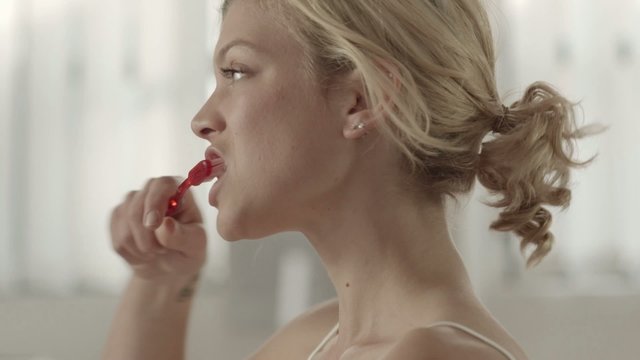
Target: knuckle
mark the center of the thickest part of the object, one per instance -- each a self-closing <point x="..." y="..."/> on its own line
<point x="170" y="180"/>
<point x="148" y="184"/>
<point x="162" y="181"/>
<point x="165" y="182"/>
<point x="134" y="208"/>
<point x="131" y="249"/>
<point x="117" y="212"/>
<point x="130" y="195"/>
<point x="159" y="192"/>
<point x="121" y="209"/>
<point x="131" y="216"/>
<point x="119" y="247"/>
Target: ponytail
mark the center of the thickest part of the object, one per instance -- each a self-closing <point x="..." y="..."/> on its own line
<point x="528" y="163"/>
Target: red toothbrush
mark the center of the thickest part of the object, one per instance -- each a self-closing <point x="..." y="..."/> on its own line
<point x="203" y="171"/>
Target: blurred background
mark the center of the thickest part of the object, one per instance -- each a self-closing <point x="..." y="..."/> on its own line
<point x="97" y="96"/>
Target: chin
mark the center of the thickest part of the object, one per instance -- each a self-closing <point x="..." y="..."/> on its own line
<point x="234" y="228"/>
<point x="228" y="232"/>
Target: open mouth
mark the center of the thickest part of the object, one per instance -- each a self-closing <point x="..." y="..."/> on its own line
<point x="217" y="162"/>
<point x="218" y="170"/>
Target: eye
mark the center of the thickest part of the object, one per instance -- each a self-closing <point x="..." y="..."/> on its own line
<point x="230" y="73"/>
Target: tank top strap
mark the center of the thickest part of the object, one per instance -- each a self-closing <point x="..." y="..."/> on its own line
<point x="477" y="335"/>
<point x="452" y="324"/>
<point x="324" y="342"/>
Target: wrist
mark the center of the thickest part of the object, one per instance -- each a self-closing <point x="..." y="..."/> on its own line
<point x="168" y="290"/>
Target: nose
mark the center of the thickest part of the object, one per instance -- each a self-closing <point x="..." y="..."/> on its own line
<point x="208" y="120"/>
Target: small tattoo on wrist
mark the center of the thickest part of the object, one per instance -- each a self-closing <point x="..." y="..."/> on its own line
<point x="189" y="289"/>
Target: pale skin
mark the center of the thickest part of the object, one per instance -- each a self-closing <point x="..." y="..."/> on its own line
<point x="296" y="163"/>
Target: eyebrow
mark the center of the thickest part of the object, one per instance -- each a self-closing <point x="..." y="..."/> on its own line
<point x="238" y="42"/>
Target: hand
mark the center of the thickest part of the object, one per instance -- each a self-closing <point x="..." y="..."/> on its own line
<point x="155" y="246"/>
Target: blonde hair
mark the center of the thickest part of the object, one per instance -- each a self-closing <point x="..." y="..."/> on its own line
<point x="441" y="53"/>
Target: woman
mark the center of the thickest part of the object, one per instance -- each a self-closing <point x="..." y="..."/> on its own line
<point x="351" y="121"/>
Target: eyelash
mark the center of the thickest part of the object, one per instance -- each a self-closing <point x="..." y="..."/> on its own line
<point x="229" y="72"/>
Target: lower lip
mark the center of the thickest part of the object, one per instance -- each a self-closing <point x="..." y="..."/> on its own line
<point x="213" y="193"/>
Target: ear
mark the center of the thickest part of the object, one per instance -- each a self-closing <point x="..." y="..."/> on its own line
<point x="360" y="117"/>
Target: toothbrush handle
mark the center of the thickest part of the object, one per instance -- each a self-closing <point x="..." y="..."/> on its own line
<point x="174" y="201"/>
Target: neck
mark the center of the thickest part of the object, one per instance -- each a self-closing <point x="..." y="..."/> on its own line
<point x="389" y="261"/>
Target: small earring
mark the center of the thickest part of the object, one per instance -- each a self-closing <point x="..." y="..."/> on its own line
<point x="358" y="126"/>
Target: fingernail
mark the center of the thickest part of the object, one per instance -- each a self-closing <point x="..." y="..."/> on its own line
<point x="152" y="218"/>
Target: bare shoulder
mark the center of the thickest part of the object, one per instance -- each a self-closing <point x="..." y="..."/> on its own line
<point x="300" y="336"/>
<point x="441" y="342"/>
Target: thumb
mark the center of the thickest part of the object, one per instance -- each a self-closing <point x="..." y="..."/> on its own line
<point x="189" y="239"/>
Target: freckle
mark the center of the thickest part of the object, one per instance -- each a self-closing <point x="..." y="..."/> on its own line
<point x="347" y="284"/>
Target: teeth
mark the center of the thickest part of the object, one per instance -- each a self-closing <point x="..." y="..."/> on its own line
<point x="217" y="167"/>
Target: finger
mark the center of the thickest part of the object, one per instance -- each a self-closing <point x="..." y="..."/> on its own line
<point x="188" y="211"/>
<point x="121" y="234"/>
<point x="156" y="202"/>
<point x="143" y="238"/>
<point x="189" y="239"/>
<point x="132" y="248"/>
<point x="119" y="229"/>
<point x="130" y="257"/>
<point x="130" y="196"/>
<point x="116" y="220"/>
<point x="122" y="238"/>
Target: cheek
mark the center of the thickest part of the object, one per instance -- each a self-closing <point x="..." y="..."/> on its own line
<point x="268" y="131"/>
<point x="284" y="138"/>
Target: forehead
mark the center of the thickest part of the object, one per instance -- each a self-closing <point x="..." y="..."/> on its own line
<point x="249" y="27"/>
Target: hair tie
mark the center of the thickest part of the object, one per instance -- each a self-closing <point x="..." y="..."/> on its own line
<point x="499" y="121"/>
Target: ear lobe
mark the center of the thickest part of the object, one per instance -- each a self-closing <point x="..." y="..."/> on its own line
<point x="359" y="124"/>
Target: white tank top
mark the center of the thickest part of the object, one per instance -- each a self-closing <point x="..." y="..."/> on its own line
<point x="461" y="327"/>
